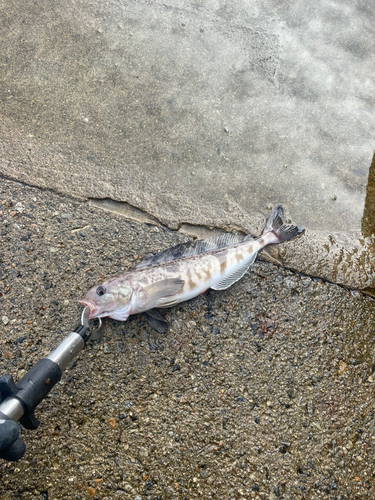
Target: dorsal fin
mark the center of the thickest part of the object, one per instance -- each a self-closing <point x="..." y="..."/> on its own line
<point x="193" y="248"/>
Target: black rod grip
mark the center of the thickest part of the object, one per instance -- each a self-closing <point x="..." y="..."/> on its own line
<point x="37" y="383"/>
<point x="32" y="388"/>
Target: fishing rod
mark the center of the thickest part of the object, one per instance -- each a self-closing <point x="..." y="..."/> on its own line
<point x="19" y="399"/>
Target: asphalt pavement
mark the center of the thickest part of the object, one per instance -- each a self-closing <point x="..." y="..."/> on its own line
<point x="263" y="391"/>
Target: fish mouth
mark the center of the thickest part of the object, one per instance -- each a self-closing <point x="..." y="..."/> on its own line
<point x="92" y="307"/>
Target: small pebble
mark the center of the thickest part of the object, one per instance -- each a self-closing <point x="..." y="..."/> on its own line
<point x="142" y="453"/>
<point x="21" y="373"/>
<point x="342" y="367"/>
<point x="20" y="207"/>
<point x="5" y="320"/>
<point x="91" y="492"/>
<point x="168" y="491"/>
<point x="112" y="423"/>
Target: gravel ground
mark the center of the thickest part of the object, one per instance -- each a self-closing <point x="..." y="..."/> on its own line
<point x="261" y="391"/>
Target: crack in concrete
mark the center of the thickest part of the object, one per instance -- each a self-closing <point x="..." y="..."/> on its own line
<point x="135" y="213"/>
<point x="126" y="210"/>
<point x="132" y="212"/>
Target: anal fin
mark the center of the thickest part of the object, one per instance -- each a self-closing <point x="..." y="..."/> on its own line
<point x="232" y="278"/>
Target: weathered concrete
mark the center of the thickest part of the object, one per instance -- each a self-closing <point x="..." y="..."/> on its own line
<point x="200" y="114"/>
<point x="262" y="391"/>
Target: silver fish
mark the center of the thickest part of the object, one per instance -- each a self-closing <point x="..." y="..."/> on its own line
<point x="183" y="272"/>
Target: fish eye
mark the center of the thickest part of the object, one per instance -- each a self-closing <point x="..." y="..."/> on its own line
<point x="101" y="290"/>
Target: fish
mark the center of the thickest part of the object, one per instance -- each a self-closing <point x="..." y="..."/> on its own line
<point x="183" y="272"/>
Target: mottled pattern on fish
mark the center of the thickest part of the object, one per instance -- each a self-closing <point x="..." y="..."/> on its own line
<point x="198" y="272"/>
<point x="183" y="272"/>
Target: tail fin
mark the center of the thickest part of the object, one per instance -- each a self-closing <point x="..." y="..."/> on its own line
<point x="282" y="231"/>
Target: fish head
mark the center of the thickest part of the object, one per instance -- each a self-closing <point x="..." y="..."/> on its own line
<point x="111" y="298"/>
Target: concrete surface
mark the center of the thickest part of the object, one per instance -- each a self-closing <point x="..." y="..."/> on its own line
<point x="262" y="391"/>
<point x="200" y="114"/>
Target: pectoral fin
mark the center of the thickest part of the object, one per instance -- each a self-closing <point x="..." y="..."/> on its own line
<point x="156" y="321"/>
<point x="163" y="293"/>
